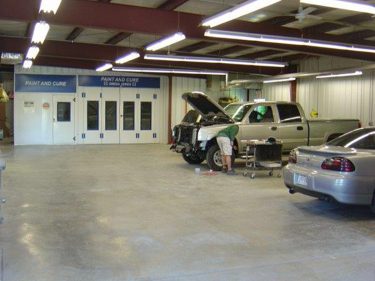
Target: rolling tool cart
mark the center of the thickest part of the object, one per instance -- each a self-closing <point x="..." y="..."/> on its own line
<point x="265" y="154"/>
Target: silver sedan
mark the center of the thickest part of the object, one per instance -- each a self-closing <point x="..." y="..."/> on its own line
<point x="342" y="169"/>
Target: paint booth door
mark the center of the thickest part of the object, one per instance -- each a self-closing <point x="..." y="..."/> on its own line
<point x="109" y="112"/>
<point x="139" y="113"/>
<point x="101" y="118"/>
<point x="63" y="119"/>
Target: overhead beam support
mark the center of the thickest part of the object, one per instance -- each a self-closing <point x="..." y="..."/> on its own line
<point x="74" y="34"/>
<point x="170" y="5"/>
<point x="142" y="20"/>
<point x="118" y="38"/>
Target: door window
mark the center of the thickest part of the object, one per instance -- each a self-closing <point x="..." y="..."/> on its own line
<point x="261" y="114"/>
<point x="111" y="115"/>
<point x="92" y="115"/>
<point x="289" y="113"/>
<point x="146" y="115"/>
<point x="128" y="120"/>
<point x="63" y="111"/>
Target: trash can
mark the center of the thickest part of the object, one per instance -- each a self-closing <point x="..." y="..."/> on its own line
<point x="2" y="200"/>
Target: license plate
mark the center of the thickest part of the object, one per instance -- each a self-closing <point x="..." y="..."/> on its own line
<point x="300" y="179"/>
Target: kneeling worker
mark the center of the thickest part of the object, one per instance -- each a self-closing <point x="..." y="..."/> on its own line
<point x="225" y="139"/>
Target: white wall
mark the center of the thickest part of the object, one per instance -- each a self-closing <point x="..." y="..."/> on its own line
<point x="32" y="123"/>
<point x="349" y="97"/>
<point x="276" y="91"/>
<point x="181" y="85"/>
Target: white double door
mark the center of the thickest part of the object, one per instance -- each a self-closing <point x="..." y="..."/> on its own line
<point x="100" y="115"/>
<point x="113" y="115"/>
<point x="139" y="113"/>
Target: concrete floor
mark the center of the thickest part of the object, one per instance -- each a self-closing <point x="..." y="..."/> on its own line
<point x="139" y="212"/>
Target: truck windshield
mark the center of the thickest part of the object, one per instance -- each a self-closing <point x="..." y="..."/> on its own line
<point x="237" y="111"/>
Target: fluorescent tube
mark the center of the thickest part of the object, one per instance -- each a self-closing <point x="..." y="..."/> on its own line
<point x="27" y="63"/>
<point x="40" y="32"/>
<point x="128" y="57"/>
<point x="170" y="40"/>
<point x="213" y="60"/>
<point x="279" y="80"/>
<point x="286" y="40"/>
<point x="333" y="75"/>
<point x="169" y="70"/>
<point x="49" y="6"/>
<point x="344" y="5"/>
<point x="32" y="52"/>
<point x="104" y="67"/>
<point x="238" y="11"/>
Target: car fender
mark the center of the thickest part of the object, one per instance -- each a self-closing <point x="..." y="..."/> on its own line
<point x="209" y="133"/>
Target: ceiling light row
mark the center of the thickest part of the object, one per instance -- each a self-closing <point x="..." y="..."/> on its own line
<point x="169" y="70"/>
<point x="251" y="6"/>
<point x="40" y="32"/>
<point x="286" y="40"/>
<point x="134" y="55"/>
<point x="214" y="60"/>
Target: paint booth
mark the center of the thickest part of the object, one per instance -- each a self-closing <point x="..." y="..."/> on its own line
<point x="66" y="106"/>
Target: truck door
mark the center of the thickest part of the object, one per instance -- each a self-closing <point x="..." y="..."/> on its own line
<point x="292" y="127"/>
<point x="259" y="123"/>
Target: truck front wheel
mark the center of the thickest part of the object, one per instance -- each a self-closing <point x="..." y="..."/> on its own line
<point x="213" y="158"/>
<point x="192" y="158"/>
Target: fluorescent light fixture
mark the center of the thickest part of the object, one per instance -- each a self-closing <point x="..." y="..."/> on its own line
<point x="344" y="5"/>
<point x="104" y="67"/>
<point x="279" y="80"/>
<point x="40" y="32"/>
<point x="32" y="52"/>
<point x="27" y="63"/>
<point x="47" y="6"/>
<point x="213" y="60"/>
<point x="286" y="40"/>
<point x="245" y="8"/>
<point x="169" y="70"/>
<point x="128" y="57"/>
<point x="170" y="40"/>
<point x="333" y="75"/>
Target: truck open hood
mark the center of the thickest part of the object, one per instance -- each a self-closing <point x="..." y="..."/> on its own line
<point x="206" y="106"/>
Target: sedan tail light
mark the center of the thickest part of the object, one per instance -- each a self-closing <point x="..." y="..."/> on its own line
<point x="340" y="164"/>
<point x="292" y="157"/>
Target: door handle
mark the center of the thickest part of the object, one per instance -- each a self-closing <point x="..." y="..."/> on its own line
<point x="273" y="128"/>
<point x="299" y="128"/>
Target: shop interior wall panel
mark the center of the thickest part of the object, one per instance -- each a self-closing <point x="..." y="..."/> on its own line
<point x="349" y="97"/>
<point x="276" y="92"/>
<point x="32" y="123"/>
<point x="181" y="85"/>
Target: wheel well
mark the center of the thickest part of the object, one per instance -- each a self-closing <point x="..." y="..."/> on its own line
<point x="214" y="142"/>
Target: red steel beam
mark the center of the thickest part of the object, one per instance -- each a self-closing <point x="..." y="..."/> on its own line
<point x="105" y="53"/>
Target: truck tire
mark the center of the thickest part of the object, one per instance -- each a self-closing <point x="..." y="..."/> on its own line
<point x="213" y="158"/>
<point x="192" y="158"/>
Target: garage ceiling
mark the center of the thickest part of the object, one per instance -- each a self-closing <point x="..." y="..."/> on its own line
<point x="86" y="34"/>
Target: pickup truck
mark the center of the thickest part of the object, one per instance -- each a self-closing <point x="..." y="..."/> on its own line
<point x="195" y="137"/>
